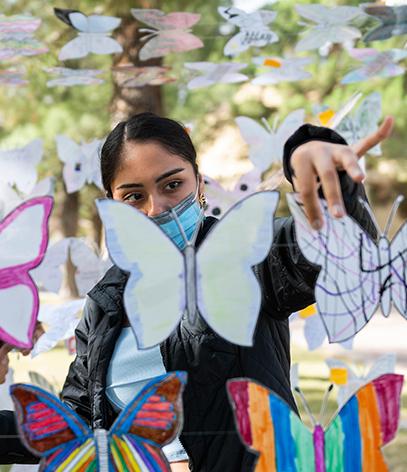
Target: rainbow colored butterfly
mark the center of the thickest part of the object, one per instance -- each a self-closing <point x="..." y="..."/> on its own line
<point x="350" y="443"/>
<point x="51" y="430"/>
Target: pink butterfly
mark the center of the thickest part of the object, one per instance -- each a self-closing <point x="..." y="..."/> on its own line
<point x="170" y="33"/>
<point x="23" y="242"/>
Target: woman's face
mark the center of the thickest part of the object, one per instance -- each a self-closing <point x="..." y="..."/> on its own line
<point x="152" y="179"/>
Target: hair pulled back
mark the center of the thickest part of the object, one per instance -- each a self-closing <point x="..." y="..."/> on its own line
<point x="144" y="127"/>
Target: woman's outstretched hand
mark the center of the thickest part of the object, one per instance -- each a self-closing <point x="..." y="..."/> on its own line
<point x="318" y="159"/>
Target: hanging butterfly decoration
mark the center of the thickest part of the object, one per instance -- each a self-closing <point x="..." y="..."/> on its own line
<point x="24" y="239"/>
<point x="332" y="119"/>
<point x="266" y="144"/>
<point x="189" y="281"/>
<point x="357" y="274"/>
<point x="215" y="73"/>
<point x="170" y="33"/>
<point x="81" y="163"/>
<point x="66" y="77"/>
<point x="375" y="64"/>
<point x="393" y="21"/>
<point x="331" y="25"/>
<point x="130" y="76"/>
<point x="351" y="442"/>
<point x="254" y="30"/>
<point x="13" y="77"/>
<point x="281" y="70"/>
<point x="52" y="431"/>
<point x="93" y="34"/>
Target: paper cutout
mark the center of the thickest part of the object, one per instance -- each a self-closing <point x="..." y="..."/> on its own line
<point x="352" y="440"/>
<point x="53" y="431"/>
<point x="266" y="145"/>
<point x="16" y="37"/>
<point x="81" y="161"/>
<point x="13" y="77"/>
<point x="331" y="119"/>
<point x="170" y="32"/>
<point x="23" y="242"/>
<point x="215" y="73"/>
<point x="349" y="382"/>
<point x="69" y="77"/>
<point x="190" y="281"/>
<point x="393" y="21"/>
<point x="254" y="30"/>
<point x="93" y="34"/>
<point x="375" y="64"/>
<point x="356" y="274"/>
<point x="19" y="166"/>
<point x="281" y="70"/>
<point x="332" y="25"/>
<point x="61" y="321"/>
<point x="129" y="76"/>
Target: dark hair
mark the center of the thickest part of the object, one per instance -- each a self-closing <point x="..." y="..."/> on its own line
<point x="144" y="127"/>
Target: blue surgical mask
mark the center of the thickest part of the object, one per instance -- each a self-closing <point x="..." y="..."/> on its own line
<point x="189" y="215"/>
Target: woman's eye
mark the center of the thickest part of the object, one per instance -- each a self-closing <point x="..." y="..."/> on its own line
<point x="133" y="197"/>
<point x="173" y="185"/>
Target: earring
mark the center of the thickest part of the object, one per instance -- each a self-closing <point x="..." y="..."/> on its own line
<point x="203" y="203"/>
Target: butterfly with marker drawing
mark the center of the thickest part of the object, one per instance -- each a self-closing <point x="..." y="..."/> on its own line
<point x="23" y="242"/>
<point x="189" y="281"/>
<point x="52" y="431"/>
<point x="281" y="70"/>
<point x="393" y="21"/>
<point x="357" y="273"/>
<point x="171" y="32"/>
<point x="93" y="34"/>
<point x="351" y="441"/>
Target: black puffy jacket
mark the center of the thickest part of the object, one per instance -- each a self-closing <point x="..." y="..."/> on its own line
<point x="287" y="283"/>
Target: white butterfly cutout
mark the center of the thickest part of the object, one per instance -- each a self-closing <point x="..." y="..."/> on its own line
<point x="214" y="73"/>
<point x="254" y="30"/>
<point x="81" y="161"/>
<point x="216" y="280"/>
<point x="171" y="32"/>
<point x="357" y="274"/>
<point x="349" y="381"/>
<point x="69" y="77"/>
<point x="329" y="118"/>
<point x="19" y="166"/>
<point x="281" y="70"/>
<point x="13" y="77"/>
<point x="93" y="34"/>
<point x="129" y="76"/>
<point x="331" y="25"/>
<point x="266" y="145"/>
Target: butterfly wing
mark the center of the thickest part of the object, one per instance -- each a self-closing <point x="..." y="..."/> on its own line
<point x="268" y="427"/>
<point x="348" y="287"/>
<point x="155" y="265"/>
<point x="74" y="172"/>
<point x="291" y="123"/>
<point x="23" y="242"/>
<point x="152" y="420"/>
<point x="167" y="41"/>
<point x="398" y="270"/>
<point x="93" y="23"/>
<point x="51" y="430"/>
<point x="367" y="422"/>
<point x="160" y="21"/>
<point x="229" y="296"/>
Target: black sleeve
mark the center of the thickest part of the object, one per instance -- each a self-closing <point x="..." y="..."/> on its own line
<point x="12" y="450"/>
<point x="287" y="277"/>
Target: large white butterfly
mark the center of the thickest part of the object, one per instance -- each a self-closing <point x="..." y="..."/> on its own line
<point x="266" y="145"/>
<point x="281" y="70"/>
<point x="357" y="274"/>
<point x="214" y="73"/>
<point x="93" y="34"/>
<point x="19" y="166"/>
<point x="254" y="30"/>
<point x="81" y="163"/>
<point x="217" y="280"/>
<point x="332" y="25"/>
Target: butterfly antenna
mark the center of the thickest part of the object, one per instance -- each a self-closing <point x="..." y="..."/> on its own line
<point x="305" y="405"/>
<point x="324" y="404"/>
<point x="371" y="214"/>
<point x="266" y="124"/>
<point x="393" y="212"/>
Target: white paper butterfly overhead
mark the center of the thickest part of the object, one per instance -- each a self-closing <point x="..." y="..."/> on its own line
<point x="266" y="144"/>
<point x="69" y="77"/>
<point x="357" y="274"/>
<point x="375" y="64"/>
<point x="331" y="25"/>
<point x="19" y="166"/>
<point x="349" y="380"/>
<point x="171" y="32"/>
<point x="332" y="119"/>
<point x="281" y="70"/>
<point x="13" y="77"/>
<point x="81" y="163"/>
<point x="217" y="279"/>
<point x="254" y="29"/>
<point x="215" y="73"/>
<point x="130" y="76"/>
<point x="93" y="34"/>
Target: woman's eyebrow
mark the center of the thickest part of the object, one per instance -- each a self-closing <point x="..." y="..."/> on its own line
<point x="158" y="179"/>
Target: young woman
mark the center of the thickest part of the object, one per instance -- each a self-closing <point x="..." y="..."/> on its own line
<point x="149" y="162"/>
